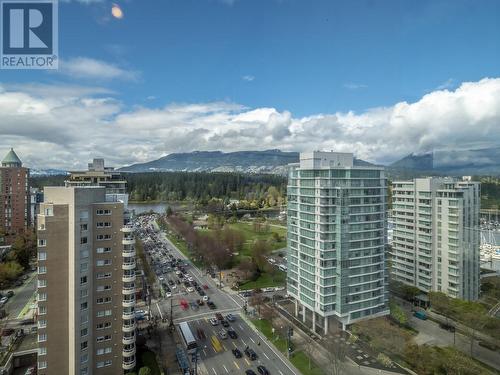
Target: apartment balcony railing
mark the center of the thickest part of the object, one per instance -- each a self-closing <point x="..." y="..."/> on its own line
<point x="128" y="302"/>
<point x="128" y="277"/>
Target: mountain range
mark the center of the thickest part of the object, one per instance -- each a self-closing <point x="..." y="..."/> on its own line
<point x="269" y="161"/>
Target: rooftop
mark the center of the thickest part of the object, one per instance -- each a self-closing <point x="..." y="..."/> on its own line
<point x="11" y="160"/>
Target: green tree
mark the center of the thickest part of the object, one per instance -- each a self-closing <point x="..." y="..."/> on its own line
<point x="24" y="248"/>
<point x="397" y="313"/>
<point x="9" y="271"/>
<point x="145" y="371"/>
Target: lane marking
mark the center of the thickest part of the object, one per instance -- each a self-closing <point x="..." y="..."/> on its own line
<point x="234" y="345"/>
<point x="215" y="372"/>
<point x="252" y="340"/>
<point x="159" y="310"/>
<point x="238" y="367"/>
<point x="248" y="363"/>
<point x="204" y="352"/>
<point x="241" y="327"/>
<point x="225" y="368"/>
<point x="265" y="355"/>
<point x="225" y="349"/>
<point x="244" y="343"/>
<point x="280" y="372"/>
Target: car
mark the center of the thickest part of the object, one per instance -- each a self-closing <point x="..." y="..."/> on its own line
<point x="190" y="278"/>
<point x="10" y="293"/>
<point x="177" y="272"/>
<point x="230" y="317"/>
<point x="200" y="302"/>
<point x="190" y="289"/>
<point x="213" y="321"/>
<point x="205" y="298"/>
<point x="224" y="323"/>
<point x="447" y="327"/>
<point x="3" y="300"/>
<point x="232" y="333"/>
<point x="237" y="353"/>
<point x="168" y="294"/>
<point x="201" y="334"/>
<point x="211" y="305"/>
<point x="250" y="353"/>
<point x="205" y="286"/>
<point x="201" y="293"/>
<point x="173" y="286"/>
<point x="262" y="370"/>
<point x="223" y="334"/>
<point x="250" y="372"/>
<point x="219" y="316"/>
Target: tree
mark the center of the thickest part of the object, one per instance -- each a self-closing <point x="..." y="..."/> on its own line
<point x="336" y="355"/>
<point x="397" y="313"/>
<point x="24" y="248"/>
<point x="145" y="371"/>
<point x="9" y="271"/>
<point x="309" y="349"/>
<point x="257" y="300"/>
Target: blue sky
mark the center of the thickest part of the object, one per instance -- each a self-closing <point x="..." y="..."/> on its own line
<point x="299" y="58"/>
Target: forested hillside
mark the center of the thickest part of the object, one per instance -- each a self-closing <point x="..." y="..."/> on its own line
<point x="197" y="186"/>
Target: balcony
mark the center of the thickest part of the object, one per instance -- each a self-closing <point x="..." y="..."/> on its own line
<point x="128" y="278"/>
<point x="127" y="340"/>
<point x="128" y="240"/>
<point x="128" y="265"/>
<point x="128" y="327"/>
<point x="128" y="364"/>
<point x="128" y="290"/>
<point x="128" y="352"/>
<point x="127" y="229"/>
<point x="128" y="302"/>
<point x="128" y="253"/>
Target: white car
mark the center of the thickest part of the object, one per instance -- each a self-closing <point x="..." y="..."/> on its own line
<point x="190" y="278"/>
<point x="3" y="300"/>
<point x="190" y="289"/>
<point x="168" y="294"/>
<point x="213" y="321"/>
<point x="205" y="298"/>
<point x="177" y="272"/>
<point x="161" y="278"/>
<point x="173" y="286"/>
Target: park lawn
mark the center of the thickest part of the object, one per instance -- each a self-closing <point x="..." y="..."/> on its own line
<point x="265" y="280"/>
<point x="298" y="358"/>
<point x="251" y="236"/>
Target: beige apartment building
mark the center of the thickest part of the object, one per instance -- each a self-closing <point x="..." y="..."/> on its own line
<point x="86" y="284"/>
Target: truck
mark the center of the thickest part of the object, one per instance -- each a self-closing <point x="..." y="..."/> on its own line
<point x="420" y="315"/>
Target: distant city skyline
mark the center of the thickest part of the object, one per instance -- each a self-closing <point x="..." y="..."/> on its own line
<point x="377" y="78"/>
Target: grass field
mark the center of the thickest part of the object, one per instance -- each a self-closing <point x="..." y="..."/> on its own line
<point x="265" y="280"/>
<point x="298" y="358"/>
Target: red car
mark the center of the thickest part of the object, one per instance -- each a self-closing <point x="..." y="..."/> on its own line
<point x="184" y="304"/>
<point x="205" y="286"/>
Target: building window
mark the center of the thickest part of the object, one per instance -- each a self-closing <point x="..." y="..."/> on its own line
<point x="42" y="351"/>
<point x="42" y="337"/>
<point x="103" y="250"/>
<point x="84" y="371"/>
<point x="103" y="338"/>
<point x="84" y="332"/>
<point x="84" y="345"/>
<point x="83" y="280"/>
<point x="84" y="215"/>
<point x="102" y="351"/>
<point x="103" y="224"/>
<point x="42" y="364"/>
<point x="102" y="300"/>
<point x="84" y="267"/>
<point x="84" y="306"/>
<point x="103" y="237"/>
<point x="84" y="293"/>
<point x="42" y="283"/>
<point x="42" y="296"/>
<point x="84" y="227"/>
<point x="42" y="310"/>
<point x="104" y="325"/>
<point x="42" y="243"/>
<point x="103" y="262"/>
<point x="103" y="288"/>
<point x="83" y="240"/>
<point x="103" y="212"/>
<point x="42" y="323"/>
<point x="102" y="313"/>
<point x="42" y="270"/>
<point x="104" y="363"/>
<point x="42" y="255"/>
<point x="84" y="254"/>
<point x="103" y="275"/>
<point x="84" y="358"/>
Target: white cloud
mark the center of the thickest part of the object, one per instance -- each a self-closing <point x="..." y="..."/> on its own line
<point x="65" y="131"/>
<point x="354" y="86"/>
<point x="248" y="78"/>
<point x="84" y="67"/>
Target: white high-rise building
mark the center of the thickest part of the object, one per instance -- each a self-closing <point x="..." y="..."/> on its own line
<point x="336" y="239"/>
<point x="436" y="235"/>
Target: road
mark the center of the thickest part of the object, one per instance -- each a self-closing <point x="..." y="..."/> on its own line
<point x="430" y="333"/>
<point x="223" y="362"/>
<point x="21" y="297"/>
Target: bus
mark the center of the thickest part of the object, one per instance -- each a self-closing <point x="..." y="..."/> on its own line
<point x="188" y="338"/>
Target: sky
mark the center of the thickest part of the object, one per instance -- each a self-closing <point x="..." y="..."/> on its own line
<point x="379" y="78"/>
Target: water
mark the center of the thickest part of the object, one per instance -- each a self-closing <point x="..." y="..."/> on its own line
<point x="140" y="208"/>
